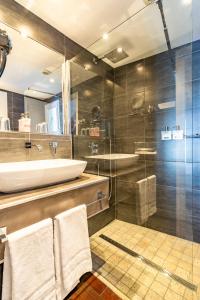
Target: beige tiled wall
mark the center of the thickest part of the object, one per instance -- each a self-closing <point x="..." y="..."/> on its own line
<point x="12" y="147"/>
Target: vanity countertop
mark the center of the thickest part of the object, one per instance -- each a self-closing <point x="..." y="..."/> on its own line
<point x="14" y="199"/>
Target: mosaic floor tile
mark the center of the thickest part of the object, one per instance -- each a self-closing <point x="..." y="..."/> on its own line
<point x="131" y="278"/>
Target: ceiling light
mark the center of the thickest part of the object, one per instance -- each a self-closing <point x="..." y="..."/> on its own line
<point x="52" y="80"/>
<point x="24" y="32"/>
<point x="105" y="36"/>
<point x="87" y="67"/>
<point x="29" y="4"/>
<point x="87" y="93"/>
<point x="187" y="2"/>
<point x="140" y="68"/>
<point x="119" y="49"/>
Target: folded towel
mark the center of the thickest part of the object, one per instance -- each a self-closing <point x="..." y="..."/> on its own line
<point x="72" y="249"/>
<point x="29" y="271"/>
<point x="151" y="194"/>
<point x="141" y="201"/>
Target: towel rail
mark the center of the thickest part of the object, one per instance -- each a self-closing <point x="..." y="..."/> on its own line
<point x="3" y="230"/>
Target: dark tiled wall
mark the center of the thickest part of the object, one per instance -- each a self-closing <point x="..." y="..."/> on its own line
<point x="15" y="108"/>
<point x="97" y="91"/>
<point x="139" y="88"/>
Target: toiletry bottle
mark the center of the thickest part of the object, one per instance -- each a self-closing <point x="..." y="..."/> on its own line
<point x="177" y="134"/>
<point x="21" y="123"/>
<point x="96" y="131"/>
<point x="91" y="129"/>
<point x="27" y="123"/>
<point x="91" y="132"/>
<point x="166" y="134"/>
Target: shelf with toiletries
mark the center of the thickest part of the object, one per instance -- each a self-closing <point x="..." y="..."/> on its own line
<point x="176" y="133"/>
<point x="95" y="129"/>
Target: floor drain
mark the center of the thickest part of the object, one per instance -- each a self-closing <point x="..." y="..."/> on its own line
<point x="150" y="263"/>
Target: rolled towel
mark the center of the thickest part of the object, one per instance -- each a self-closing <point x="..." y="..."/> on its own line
<point x="29" y="271"/>
<point x="151" y="195"/>
<point x="141" y="201"/>
<point x="72" y="249"/>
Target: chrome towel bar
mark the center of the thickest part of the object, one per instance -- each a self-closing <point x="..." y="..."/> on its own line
<point x="101" y="196"/>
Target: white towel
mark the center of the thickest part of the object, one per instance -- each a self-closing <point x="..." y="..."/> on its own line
<point x="29" y="271"/>
<point x="151" y="194"/>
<point x="141" y="202"/>
<point x="72" y="249"/>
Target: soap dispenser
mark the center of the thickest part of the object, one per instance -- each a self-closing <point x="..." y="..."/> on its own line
<point x="177" y="134"/>
<point x="21" y="123"/>
<point x="27" y="123"/>
<point x="166" y="134"/>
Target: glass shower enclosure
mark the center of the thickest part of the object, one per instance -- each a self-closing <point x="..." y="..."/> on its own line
<point x="146" y="109"/>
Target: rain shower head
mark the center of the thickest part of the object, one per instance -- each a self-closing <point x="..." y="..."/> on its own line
<point x="116" y="56"/>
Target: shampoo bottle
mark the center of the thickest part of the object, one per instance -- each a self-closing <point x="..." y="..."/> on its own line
<point x="166" y="134"/>
<point x="27" y="123"/>
<point x="177" y="134"/>
<point x="21" y="123"/>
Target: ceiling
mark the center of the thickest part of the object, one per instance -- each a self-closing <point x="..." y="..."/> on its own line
<point x="83" y="21"/>
<point x="25" y="65"/>
<point x="141" y="36"/>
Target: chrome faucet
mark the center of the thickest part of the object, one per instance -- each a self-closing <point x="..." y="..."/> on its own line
<point x="53" y="146"/>
<point x="94" y="148"/>
<point x="29" y="145"/>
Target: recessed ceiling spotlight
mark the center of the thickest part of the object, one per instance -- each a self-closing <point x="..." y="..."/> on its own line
<point x="24" y="32"/>
<point x="187" y="2"/>
<point x="87" y="93"/>
<point x="52" y="80"/>
<point x="140" y="68"/>
<point x="29" y="4"/>
<point x="119" y="49"/>
<point x="87" y="67"/>
<point x="105" y="36"/>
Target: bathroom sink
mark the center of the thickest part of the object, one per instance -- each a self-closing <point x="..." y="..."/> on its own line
<point x="114" y="160"/>
<point x="18" y="176"/>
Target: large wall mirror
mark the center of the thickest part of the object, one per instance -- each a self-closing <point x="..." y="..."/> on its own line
<point x="31" y="87"/>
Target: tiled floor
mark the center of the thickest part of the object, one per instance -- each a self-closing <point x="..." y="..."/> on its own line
<point x="91" y="288"/>
<point x="131" y="278"/>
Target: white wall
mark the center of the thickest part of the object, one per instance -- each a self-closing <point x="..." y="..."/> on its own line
<point x="3" y="104"/>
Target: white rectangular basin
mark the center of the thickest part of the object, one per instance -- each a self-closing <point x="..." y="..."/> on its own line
<point x="18" y="176"/>
<point x="115" y="160"/>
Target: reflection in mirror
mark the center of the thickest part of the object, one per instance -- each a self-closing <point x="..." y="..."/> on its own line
<point x="90" y="115"/>
<point x="31" y="87"/>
